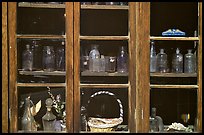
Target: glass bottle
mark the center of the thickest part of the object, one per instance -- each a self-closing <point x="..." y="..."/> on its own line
<point x="60" y="58"/>
<point x="27" y="59"/>
<point x="37" y="56"/>
<point x="27" y="119"/>
<point x="153" y="58"/>
<point x="122" y="61"/>
<point x="102" y="63"/>
<point x="83" y="118"/>
<point x="84" y="61"/>
<point x="177" y="62"/>
<point x="48" y="58"/>
<point x="162" y="63"/>
<point x="153" y="121"/>
<point x="189" y="62"/>
<point x="94" y="59"/>
<point x="49" y="118"/>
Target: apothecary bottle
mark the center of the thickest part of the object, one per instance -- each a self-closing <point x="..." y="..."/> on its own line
<point x="162" y="63"/>
<point x="122" y="61"/>
<point x="27" y="120"/>
<point x="60" y="58"/>
<point x="27" y="59"/>
<point x="177" y="62"/>
<point x="48" y="58"/>
<point x="153" y="121"/>
<point x="37" y="56"/>
<point x="94" y="59"/>
<point x="49" y="118"/>
<point x="189" y="62"/>
<point x="153" y="58"/>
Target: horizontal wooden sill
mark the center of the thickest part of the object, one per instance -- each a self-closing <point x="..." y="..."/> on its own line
<point x="41" y="36"/>
<point x="41" y="84"/>
<point x="104" y="37"/>
<point x="125" y="7"/>
<point x="174" y="86"/>
<point x="104" y="85"/>
<point x="174" y="38"/>
<point x="173" y="74"/>
<point x="89" y="73"/>
<point x="41" y="72"/>
<point x="41" y="5"/>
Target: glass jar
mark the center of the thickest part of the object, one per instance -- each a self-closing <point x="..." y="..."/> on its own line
<point x="177" y="62"/>
<point x="189" y="62"/>
<point x="60" y="58"/>
<point x="94" y="59"/>
<point x="122" y="61"/>
<point x="49" y="118"/>
<point x="162" y="63"/>
<point x="48" y="58"/>
<point x="27" y="59"/>
<point x="110" y="64"/>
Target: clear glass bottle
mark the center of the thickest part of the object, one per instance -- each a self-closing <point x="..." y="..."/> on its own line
<point x="27" y="121"/>
<point x="94" y="59"/>
<point x="102" y="64"/>
<point x="60" y="58"/>
<point x="162" y="63"/>
<point x="48" y="58"/>
<point x="49" y="118"/>
<point x="189" y="62"/>
<point x="153" y="121"/>
<point x="122" y="61"/>
<point x="37" y="56"/>
<point x="153" y="58"/>
<point x="177" y="62"/>
<point x="27" y="59"/>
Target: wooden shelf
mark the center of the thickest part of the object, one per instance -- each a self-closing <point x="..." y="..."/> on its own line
<point x="174" y="86"/>
<point x="118" y="7"/>
<point x="41" y="5"/>
<point x="89" y="73"/>
<point x="41" y="36"/>
<point x="174" y="38"/>
<point x="39" y="73"/>
<point x="173" y="74"/>
<point x="41" y="84"/>
<point x="104" y="37"/>
<point x="104" y="85"/>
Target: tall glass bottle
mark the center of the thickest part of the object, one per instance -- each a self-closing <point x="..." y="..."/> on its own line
<point x="94" y="59"/>
<point x="177" y="62"/>
<point x="48" y="58"/>
<point x="162" y="63"/>
<point x="27" y="59"/>
<point x="153" y="58"/>
<point x="37" y="56"/>
<point x="28" y="122"/>
<point x="122" y="61"/>
<point x="49" y="118"/>
<point x="60" y="58"/>
<point x="153" y="121"/>
<point x="189" y="62"/>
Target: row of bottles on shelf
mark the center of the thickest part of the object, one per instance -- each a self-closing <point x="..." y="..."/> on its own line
<point x="48" y="59"/>
<point x="159" y="62"/>
<point x="104" y="3"/>
<point x="96" y="62"/>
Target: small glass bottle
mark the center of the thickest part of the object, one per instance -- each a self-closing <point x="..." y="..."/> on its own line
<point x="189" y="62"/>
<point x="83" y="118"/>
<point x="94" y="59"/>
<point x="122" y="61"/>
<point x="162" y="63"/>
<point x="153" y="58"/>
<point x="177" y="62"/>
<point x="60" y="58"/>
<point x="102" y="64"/>
<point x="48" y="58"/>
<point x="27" y="59"/>
<point x="27" y="119"/>
<point x="37" y="56"/>
<point x="49" y="118"/>
<point x="153" y="121"/>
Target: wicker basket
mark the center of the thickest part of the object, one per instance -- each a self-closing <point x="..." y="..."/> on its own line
<point x="105" y="124"/>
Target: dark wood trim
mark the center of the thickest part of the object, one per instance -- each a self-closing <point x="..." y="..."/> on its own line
<point x="13" y="106"/>
<point x="4" y="69"/>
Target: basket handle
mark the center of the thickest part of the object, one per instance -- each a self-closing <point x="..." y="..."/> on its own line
<point x="111" y="94"/>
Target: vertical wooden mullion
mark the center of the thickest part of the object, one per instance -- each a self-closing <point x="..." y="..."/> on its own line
<point x="69" y="65"/>
<point x="13" y="109"/>
<point x="4" y="69"/>
<point x="76" y="67"/>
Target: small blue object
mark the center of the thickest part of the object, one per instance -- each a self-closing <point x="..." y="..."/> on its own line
<point x="173" y="32"/>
